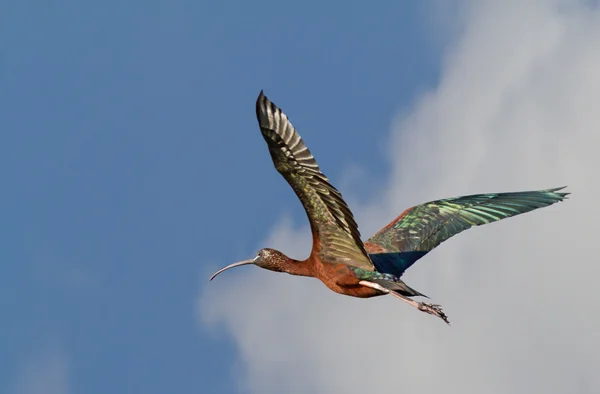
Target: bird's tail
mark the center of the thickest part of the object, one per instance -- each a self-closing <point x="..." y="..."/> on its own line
<point x="399" y="287"/>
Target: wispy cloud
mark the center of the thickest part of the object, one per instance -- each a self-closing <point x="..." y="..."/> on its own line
<point x="516" y="109"/>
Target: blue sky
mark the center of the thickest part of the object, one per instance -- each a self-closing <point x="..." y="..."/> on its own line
<point x="130" y="158"/>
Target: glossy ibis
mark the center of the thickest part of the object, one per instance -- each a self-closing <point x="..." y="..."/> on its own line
<point x="339" y="258"/>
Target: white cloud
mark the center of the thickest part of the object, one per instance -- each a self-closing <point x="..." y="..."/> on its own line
<point x="44" y="373"/>
<point x="516" y="109"/>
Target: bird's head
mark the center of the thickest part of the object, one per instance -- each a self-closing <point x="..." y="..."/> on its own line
<point x="270" y="259"/>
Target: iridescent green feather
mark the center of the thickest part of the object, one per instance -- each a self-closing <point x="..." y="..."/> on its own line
<point x="423" y="227"/>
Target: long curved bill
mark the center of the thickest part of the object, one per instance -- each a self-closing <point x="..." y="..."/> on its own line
<point x="245" y="262"/>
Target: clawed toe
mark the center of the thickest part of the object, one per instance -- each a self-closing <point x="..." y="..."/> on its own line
<point x="434" y="309"/>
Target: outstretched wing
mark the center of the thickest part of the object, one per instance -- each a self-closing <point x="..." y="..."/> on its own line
<point x="335" y="234"/>
<point x="423" y="227"/>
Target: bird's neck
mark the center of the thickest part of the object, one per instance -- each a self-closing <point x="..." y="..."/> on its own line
<point x="297" y="267"/>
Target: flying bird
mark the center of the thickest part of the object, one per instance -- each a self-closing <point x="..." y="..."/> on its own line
<point x="339" y="258"/>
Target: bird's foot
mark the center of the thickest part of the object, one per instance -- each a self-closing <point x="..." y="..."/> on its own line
<point x="435" y="310"/>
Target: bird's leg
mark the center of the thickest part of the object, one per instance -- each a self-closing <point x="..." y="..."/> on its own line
<point x="432" y="309"/>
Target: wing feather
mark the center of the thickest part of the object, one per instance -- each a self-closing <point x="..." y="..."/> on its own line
<point x="423" y="227"/>
<point x="335" y="232"/>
